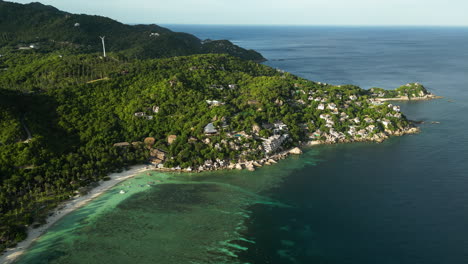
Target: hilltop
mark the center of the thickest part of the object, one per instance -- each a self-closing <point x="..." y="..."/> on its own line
<point x="46" y="29"/>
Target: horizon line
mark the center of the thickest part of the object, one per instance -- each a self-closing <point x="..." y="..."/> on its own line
<point x="301" y="25"/>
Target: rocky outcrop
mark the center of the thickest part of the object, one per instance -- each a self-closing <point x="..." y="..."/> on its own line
<point x="295" y="151"/>
<point x="239" y="166"/>
<point x="211" y="165"/>
<point x="378" y="137"/>
<point x="249" y="166"/>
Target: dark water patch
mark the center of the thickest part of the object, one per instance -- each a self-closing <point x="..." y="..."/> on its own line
<point x="170" y="198"/>
<point x="281" y="238"/>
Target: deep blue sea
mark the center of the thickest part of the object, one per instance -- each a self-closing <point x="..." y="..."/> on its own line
<point x="404" y="201"/>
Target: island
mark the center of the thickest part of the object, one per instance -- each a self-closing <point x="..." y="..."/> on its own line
<point x="70" y="115"/>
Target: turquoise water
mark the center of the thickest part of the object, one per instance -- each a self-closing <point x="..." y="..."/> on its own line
<point x="164" y="218"/>
<point x="403" y="201"/>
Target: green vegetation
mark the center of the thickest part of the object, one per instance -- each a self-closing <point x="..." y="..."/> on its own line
<point x="77" y="106"/>
<point x="63" y="107"/>
<point x="50" y="29"/>
<point x="410" y="90"/>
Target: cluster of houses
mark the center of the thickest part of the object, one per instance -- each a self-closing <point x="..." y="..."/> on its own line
<point x="357" y="128"/>
<point x="269" y="145"/>
<point x="278" y="127"/>
<point x="212" y="165"/>
<point x="353" y="131"/>
<point x="155" y="110"/>
<point x="332" y="113"/>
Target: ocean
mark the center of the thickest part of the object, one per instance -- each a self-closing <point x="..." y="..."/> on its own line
<point x="403" y="201"/>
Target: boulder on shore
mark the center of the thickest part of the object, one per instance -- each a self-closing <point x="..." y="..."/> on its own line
<point x="295" y="151"/>
<point x="249" y="166"/>
<point x="256" y="164"/>
<point x="239" y="166"/>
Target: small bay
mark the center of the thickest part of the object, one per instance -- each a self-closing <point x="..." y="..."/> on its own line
<point x="402" y="201"/>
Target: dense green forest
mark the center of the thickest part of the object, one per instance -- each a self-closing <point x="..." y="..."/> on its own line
<point x="64" y="108"/>
<point x="76" y="107"/>
<point x="47" y="29"/>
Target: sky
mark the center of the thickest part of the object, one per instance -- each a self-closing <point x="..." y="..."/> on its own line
<point x="274" y="12"/>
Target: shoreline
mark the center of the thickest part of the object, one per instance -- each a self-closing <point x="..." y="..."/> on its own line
<point x="252" y="165"/>
<point x="11" y="254"/>
<point x="406" y="98"/>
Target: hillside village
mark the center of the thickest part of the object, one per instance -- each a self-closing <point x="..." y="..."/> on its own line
<point x="337" y="122"/>
<point x="150" y="95"/>
<point x="90" y="116"/>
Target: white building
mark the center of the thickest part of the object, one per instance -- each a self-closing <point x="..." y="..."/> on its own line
<point x="272" y="143"/>
<point x="386" y="122"/>
<point x="214" y="102"/>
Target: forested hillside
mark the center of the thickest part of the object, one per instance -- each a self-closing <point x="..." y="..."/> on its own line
<point x="76" y="107"/>
<point x="47" y="29"/>
<point x="70" y="116"/>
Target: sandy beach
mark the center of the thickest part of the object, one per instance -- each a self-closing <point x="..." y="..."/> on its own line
<point x="67" y="207"/>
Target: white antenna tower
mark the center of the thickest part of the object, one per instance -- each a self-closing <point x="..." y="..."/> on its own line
<point x="103" y="45"/>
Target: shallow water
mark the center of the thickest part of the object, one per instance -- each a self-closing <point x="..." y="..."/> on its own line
<point x="164" y="218"/>
<point x="403" y="201"/>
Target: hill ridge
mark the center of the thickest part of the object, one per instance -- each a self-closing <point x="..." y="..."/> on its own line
<point x="50" y="29"/>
